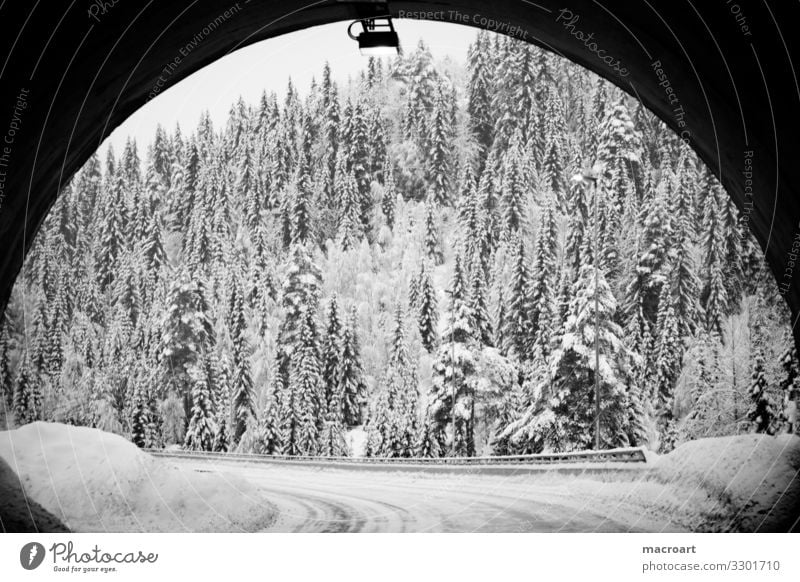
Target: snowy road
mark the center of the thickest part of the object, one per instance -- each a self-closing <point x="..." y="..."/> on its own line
<point x="324" y="499"/>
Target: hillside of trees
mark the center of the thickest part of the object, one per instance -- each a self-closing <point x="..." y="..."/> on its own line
<point x="405" y="255"/>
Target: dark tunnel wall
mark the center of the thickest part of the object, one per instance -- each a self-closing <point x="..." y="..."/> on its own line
<point x="717" y="72"/>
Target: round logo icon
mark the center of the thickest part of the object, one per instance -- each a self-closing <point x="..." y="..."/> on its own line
<point x="31" y="555"/>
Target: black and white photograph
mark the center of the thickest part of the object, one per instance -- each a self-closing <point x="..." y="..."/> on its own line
<point x="397" y="267"/>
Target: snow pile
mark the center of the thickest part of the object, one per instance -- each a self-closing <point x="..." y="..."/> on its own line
<point x="97" y="481"/>
<point x="757" y="475"/>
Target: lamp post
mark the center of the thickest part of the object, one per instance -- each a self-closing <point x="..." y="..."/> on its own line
<point x="590" y="177"/>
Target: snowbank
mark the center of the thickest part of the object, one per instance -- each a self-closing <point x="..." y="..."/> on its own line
<point x="757" y="475"/>
<point x="97" y="481"/>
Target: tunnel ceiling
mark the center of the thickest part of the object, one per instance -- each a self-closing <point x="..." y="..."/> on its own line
<point x="718" y="72"/>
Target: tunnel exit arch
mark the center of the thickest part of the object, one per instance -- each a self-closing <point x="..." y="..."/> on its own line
<point x="720" y="74"/>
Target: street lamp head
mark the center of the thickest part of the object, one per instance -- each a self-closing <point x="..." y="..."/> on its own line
<point x="378" y="37"/>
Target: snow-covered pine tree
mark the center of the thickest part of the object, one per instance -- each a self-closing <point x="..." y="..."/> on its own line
<point x="572" y="364"/>
<point x="554" y="163"/>
<point x="667" y="357"/>
<point x="350" y="229"/>
<point x="477" y="303"/>
<point x="479" y="107"/>
<point x="426" y="308"/>
<point x="517" y="333"/>
<point x="433" y="247"/>
<point x="27" y="395"/>
<point x="202" y="427"/>
<point x="241" y="382"/>
<point x="544" y="280"/>
<point x="715" y="293"/>
<point x="452" y="398"/>
<point x="306" y="390"/>
<point x="760" y="413"/>
<point x="351" y="374"/>
<point x="439" y="151"/>
<point x="515" y="190"/>
<point x="331" y="354"/>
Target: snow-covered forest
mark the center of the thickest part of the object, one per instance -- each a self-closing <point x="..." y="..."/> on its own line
<point x="401" y="265"/>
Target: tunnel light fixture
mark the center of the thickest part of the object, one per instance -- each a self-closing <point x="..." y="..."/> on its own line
<point x="378" y="37"/>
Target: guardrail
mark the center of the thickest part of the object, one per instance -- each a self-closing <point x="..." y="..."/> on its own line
<point x="627" y="455"/>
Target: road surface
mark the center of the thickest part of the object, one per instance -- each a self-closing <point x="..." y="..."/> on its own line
<point x="326" y="499"/>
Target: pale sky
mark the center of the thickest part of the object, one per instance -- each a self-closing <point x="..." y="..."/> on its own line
<point x="267" y="65"/>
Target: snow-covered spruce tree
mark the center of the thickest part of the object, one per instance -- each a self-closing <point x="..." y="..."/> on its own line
<point x="433" y="246"/>
<point x="667" y="358"/>
<point x="219" y="369"/>
<point x="392" y="426"/>
<point x="544" y="281"/>
<point x="350" y="229"/>
<point x="351" y="374"/>
<point x="431" y="441"/>
<point x="144" y="417"/>
<point x="514" y="104"/>
<point x="652" y="267"/>
<point x="300" y="292"/>
<point x="515" y="191"/>
<point x="760" y="413"/>
<point x="389" y="201"/>
<point x="452" y="398"/>
<point x="426" y="308"/>
<point x="331" y="435"/>
<point x="572" y="367"/>
<point x="422" y="84"/>
<point x="619" y="149"/>
<point x="6" y="384"/>
<point x="269" y="441"/>
<point x="715" y="293"/>
<point x="331" y="354"/>
<point x="306" y="391"/>
<point x="517" y="333"/>
<point x="27" y="395"/>
<point x="241" y="382"/>
<point x="685" y="282"/>
<point x="186" y="333"/>
<point x="479" y="107"/>
<point x="554" y="163"/>
<point x="439" y="152"/>
<point x="202" y="428"/>
<point x="477" y="303"/>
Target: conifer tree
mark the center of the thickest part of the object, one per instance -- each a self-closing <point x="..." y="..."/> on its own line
<point x="202" y="428"/>
<point x="518" y="327"/>
<point x="438" y="154"/>
<point x="426" y="306"/>
<point x="306" y="391"/>
<point x="27" y="396"/>
<point x="242" y="383"/>
<point x="331" y="353"/>
<point x="480" y="323"/>
<point x="479" y="93"/>
<point x="433" y="247"/>
<point x="760" y="413"/>
<point x="514" y="191"/>
<point x="351" y="374"/>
